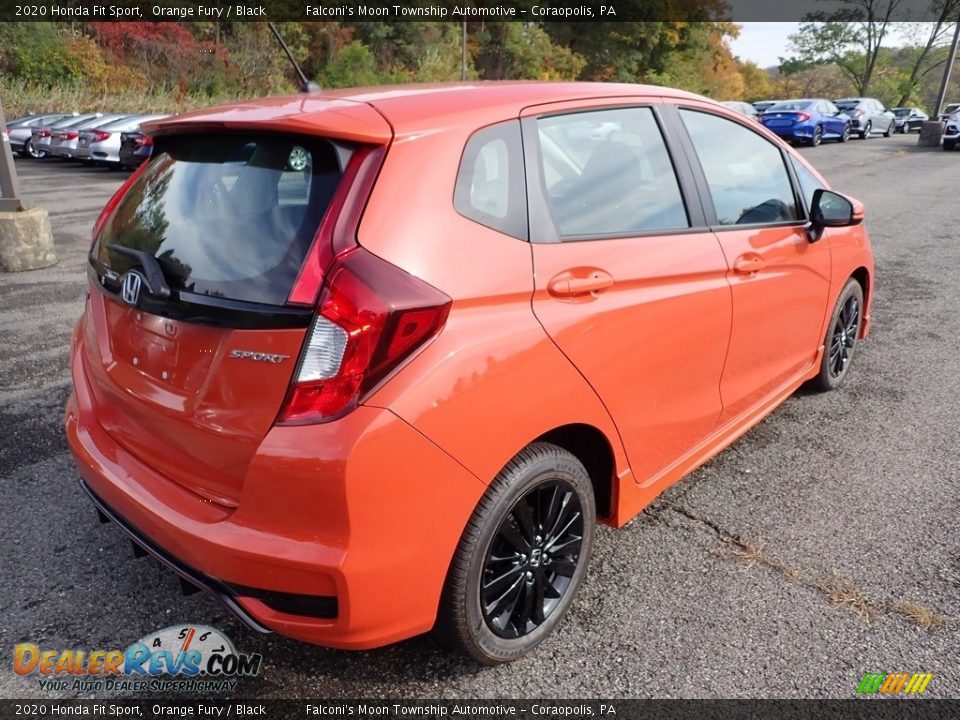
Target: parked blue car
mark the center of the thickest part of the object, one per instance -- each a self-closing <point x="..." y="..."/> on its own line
<point x="808" y="120"/>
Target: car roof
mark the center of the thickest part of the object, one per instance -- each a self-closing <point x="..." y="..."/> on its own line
<point x="376" y="113"/>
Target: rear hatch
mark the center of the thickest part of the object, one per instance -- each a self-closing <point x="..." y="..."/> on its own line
<point x="190" y="339"/>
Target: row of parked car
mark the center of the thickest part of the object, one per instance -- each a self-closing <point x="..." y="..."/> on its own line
<point x="813" y="120"/>
<point x="110" y="139"/>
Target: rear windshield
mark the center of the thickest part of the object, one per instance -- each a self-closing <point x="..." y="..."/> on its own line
<point x="230" y="217"/>
<point x="847" y="105"/>
<point x="788" y="107"/>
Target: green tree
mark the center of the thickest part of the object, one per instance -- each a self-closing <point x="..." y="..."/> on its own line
<point x="850" y="38"/>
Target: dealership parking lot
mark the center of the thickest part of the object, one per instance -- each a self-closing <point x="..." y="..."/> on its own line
<point x="822" y="546"/>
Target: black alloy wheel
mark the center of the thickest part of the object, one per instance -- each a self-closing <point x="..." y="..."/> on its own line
<point x="532" y="559"/>
<point x="521" y="557"/>
<point x="840" y="343"/>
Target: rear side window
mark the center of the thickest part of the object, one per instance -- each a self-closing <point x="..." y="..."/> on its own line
<point x="490" y="187"/>
<point x="748" y="180"/>
<point x="231" y="217"/>
<point x="608" y="173"/>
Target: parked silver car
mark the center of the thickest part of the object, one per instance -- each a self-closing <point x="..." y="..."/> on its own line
<point x="41" y="136"/>
<point x="63" y="142"/>
<point x="20" y="131"/>
<point x="867" y="116"/>
<point x="101" y="143"/>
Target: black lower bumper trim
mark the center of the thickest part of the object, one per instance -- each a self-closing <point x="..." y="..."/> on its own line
<point x="215" y="587"/>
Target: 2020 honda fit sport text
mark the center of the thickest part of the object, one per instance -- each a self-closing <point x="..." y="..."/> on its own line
<point x="371" y="362"/>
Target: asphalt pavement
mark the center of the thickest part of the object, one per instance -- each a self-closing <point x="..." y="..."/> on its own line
<point x="821" y="546"/>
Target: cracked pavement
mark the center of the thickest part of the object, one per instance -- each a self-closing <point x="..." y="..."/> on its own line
<point x="748" y="579"/>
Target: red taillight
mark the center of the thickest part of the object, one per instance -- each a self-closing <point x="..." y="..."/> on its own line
<point x="114" y="201"/>
<point x="71" y="135"/>
<point x="337" y="231"/>
<point x="802" y="117"/>
<point x="45" y="133"/>
<point x="372" y="317"/>
<point x="142" y="140"/>
<point x="100" y="135"/>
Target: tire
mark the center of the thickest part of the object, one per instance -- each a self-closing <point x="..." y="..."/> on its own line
<point x="817" y="136"/>
<point x="30" y="151"/>
<point x="840" y="343"/>
<point x="889" y="130"/>
<point x="949" y="145"/>
<point x="506" y="541"/>
<point x="845" y="135"/>
<point x="865" y="134"/>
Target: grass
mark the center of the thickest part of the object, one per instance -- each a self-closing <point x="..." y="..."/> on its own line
<point x="919" y="615"/>
<point x="842" y="592"/>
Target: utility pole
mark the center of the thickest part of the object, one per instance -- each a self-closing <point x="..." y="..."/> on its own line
<point x="9" y="187"/>
<point x="941" y="96"/>
<point x="463" y="52"/>
<point x="26" y="240"/>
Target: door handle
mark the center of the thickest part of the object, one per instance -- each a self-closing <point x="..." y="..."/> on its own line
<point x="749" y="264"/>
<point x="566" y="284"/>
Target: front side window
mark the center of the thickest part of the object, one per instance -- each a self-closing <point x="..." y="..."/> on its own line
<point x="608" y="173"/>
<point x="230" y="217"/>
<point x="808" y="181"/>
<point x="748" y="181"/>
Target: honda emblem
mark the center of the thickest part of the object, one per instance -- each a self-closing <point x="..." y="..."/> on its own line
<point x="130" y="287"/>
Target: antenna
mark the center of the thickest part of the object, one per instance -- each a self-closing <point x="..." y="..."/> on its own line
<point x="306" y="86"/>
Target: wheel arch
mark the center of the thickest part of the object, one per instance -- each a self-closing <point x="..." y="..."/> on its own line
<point x="862" y="276"/>
<point x="592" y="448"/>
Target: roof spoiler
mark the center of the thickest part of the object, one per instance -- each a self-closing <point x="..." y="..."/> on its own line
<point x="306" y="86"/>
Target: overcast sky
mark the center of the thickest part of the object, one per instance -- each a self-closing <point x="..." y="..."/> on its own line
<point x="763" y="42"/>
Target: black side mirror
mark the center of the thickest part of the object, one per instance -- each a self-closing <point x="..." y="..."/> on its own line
<point x="829" y="209"/>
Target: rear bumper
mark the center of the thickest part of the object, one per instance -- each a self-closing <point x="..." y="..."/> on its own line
<point x="364" y="510"/>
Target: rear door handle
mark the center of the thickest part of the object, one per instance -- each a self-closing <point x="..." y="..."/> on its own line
<point x="749" y="264"/>
<point x="570" y="283"/>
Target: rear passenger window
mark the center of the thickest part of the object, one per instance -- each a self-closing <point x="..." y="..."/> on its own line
<point x="490" y="186"/>
<point x="608" y="173"/>
<point x="748" y="181"/>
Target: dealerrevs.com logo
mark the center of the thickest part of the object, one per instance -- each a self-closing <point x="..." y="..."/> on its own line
<point x="894" y="683"/>
<point x="191" y="658"/>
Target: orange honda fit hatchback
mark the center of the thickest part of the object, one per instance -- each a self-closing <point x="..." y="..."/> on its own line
<point x="370" y="362"/>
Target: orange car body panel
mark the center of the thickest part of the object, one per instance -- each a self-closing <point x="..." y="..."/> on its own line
<point x="369" y="508"/>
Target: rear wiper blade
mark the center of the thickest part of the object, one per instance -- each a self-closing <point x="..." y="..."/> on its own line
<point x="153" y="274"/>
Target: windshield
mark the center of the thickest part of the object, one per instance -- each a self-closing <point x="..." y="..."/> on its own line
<point x="901" y="112"/>
<point x="232" y="217"/>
